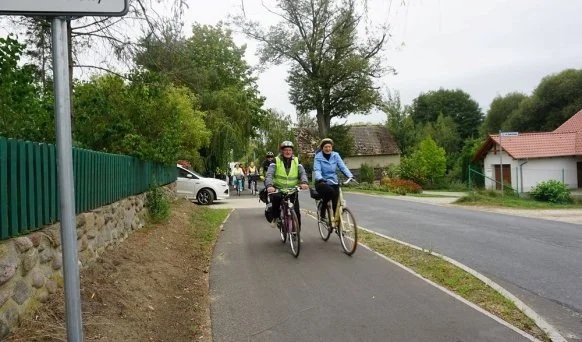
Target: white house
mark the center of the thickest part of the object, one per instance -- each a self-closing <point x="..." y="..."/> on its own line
<point x="530" y="158"/>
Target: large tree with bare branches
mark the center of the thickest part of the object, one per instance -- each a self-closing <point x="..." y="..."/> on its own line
<point x="332" y="67"/>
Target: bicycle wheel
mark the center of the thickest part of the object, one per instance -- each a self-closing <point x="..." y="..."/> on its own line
<point x="294" y="238"/>
<point x="325" y="224"/>
<point x="283" y="227"/>
<point x="348" y="232"/>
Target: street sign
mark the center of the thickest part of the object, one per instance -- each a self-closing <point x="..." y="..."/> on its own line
<point x="509" y="134"/>
<point x="108" y="8"/>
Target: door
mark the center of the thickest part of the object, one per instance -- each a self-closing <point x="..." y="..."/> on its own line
<point x="506" y="175"/>
<point x="186" y="184"/>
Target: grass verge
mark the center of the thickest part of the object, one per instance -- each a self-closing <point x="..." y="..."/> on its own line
<point x="493" y="199"/>
<point x="453" y="278"/>
<point x="206" y="222"/>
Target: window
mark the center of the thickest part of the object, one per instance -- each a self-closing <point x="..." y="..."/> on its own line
<point x="185" y="174"/>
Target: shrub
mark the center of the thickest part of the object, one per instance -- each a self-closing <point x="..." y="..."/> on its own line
<point x="391" y="171"/>
<point x="157" y="203"/>
<point x="552" y="191"/>
<point x="366" y="174"/>
<point x="400" y="186"/>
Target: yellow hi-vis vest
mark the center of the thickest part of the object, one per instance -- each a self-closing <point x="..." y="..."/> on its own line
<point x="284" y="180"/>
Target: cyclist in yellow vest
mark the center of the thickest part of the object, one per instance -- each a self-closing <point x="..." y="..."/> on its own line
<point x="285" y="172"/>
<point x="253" y="175"/>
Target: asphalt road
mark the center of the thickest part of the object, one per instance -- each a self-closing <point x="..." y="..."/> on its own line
<point x="540" y="261"/>
<point x="260" y="292"/>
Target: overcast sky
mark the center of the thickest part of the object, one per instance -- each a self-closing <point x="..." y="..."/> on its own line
<point x="485" y="48"/>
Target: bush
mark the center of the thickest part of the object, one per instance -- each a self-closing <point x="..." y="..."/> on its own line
<point x="400" y="186"/>
<point x="366" y="174"/>
<point x="157" y="203"/>
<point x="552" y="191"/>
<point x="391" y="171"/>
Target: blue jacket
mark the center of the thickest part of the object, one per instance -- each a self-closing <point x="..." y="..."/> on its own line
<point x="326" y="169"/>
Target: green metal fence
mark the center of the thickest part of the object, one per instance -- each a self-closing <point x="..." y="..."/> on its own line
<point x="29" y="196"/>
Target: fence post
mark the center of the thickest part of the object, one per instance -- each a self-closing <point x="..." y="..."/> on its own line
<point x="563" y="182"/>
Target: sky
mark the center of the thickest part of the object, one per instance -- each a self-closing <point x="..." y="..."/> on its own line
<point x="486" y="48"/>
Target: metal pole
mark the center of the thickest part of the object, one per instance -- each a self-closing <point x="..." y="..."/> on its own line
<point x="501" y="164"/>
<point x="65" y="179"/>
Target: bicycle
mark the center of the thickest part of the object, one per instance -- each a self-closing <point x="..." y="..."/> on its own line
<point x="343" y="222"/>
<point x="254" y="186"/>
<point x="289" y="224"/>
<point x="238" y="184"/>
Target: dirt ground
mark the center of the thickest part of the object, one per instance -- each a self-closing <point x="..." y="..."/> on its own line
<point x="152" y="287"/>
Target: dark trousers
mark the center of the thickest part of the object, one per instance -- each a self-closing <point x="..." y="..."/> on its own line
<point x="276" y="200"/>
<point x="328" y="192"/>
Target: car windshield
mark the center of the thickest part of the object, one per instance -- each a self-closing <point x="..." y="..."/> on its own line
<point x="196" y="174"/>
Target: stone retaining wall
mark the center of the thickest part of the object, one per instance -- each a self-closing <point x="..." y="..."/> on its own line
<point x="31" y="265"/>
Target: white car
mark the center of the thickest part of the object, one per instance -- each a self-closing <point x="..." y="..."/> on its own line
<point x="205" y="190"/>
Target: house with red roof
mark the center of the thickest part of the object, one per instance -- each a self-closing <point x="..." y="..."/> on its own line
<point x="526" y="159"/>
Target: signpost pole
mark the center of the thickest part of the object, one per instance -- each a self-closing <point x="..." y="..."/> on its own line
<point x="501" y="163"/>
<point x="65" y="180"/>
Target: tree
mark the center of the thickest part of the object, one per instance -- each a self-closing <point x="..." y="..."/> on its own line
<point x="331" y="70"/>
<point x="555" y="100"/>
<point x="500" y="109"/>
<point x="212" y="66"/>
<point x="25" y="106"/>
<point x="400" y="124"/>
<point x="148" y="118"/>
<point x="444" y="131"/>
<point x="454" y="103"/>
<point x="426" y="164"/>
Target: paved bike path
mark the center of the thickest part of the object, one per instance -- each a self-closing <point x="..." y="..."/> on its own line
<point x="260" y="292"/>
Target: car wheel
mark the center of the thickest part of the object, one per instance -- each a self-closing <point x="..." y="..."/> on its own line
<point x="205" y="197"/>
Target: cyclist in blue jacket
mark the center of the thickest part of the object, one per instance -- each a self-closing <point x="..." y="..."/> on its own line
<point x="325" y="164"/>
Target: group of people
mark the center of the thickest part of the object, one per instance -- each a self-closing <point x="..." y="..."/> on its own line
<point x="285" y="171"/>
<point x="239" y="173"/>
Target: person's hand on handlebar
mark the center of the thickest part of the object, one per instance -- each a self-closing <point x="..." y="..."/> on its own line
<point x="270" y="189"/>
<point x="304" y="186"/>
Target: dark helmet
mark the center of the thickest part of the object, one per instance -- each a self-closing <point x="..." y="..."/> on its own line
<point x="286" y="143"/>
<point x="325" y="142"/>
<point x="270" y="154"/>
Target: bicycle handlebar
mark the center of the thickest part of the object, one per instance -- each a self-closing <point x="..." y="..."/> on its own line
<point x="350" y="180"/>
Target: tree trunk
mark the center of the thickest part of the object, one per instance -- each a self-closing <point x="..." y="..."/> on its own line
<point x="322" y="128"/>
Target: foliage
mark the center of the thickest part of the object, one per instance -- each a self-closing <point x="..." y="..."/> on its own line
<point x="465" y="158"/>
<point x="426" y="164"/>
<point x="213" y="67"/>
<point x="391" y="171"/>
<point x="400" y="124"/>
<point x="276" y="129"/>
<point x="454" y="103"/>
<point x="157" y="203"/>
<point x="147" y="118"/>
<point x="26" y="109"/>
<point x="500" y="109"/>
<point x="555" y="100"/>
<point x="400" y="186"/>
<point x="367" y="174"/>
<point x="552" y="191"/>
<point x="331" y="70"/>
<point x="343" y="141"/>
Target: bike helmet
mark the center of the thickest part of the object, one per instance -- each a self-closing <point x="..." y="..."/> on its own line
<point x="325" y="142"/>
<point x="286" y="143"/>
<point x="270" y="154"/>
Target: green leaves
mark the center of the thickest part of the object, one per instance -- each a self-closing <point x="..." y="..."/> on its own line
<point x="25" y="107"/>
<point x="332" y="70"/>
<point x="427" y="164"/>
<point x="148" y="118"/>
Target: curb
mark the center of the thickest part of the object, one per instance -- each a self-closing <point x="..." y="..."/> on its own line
<point x="552" y="332"/>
